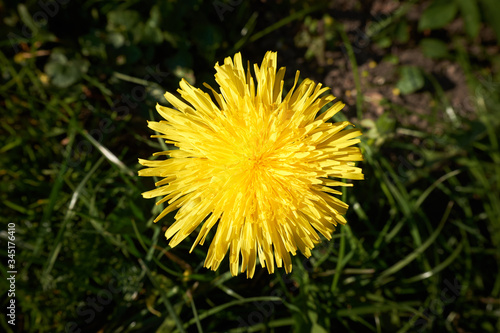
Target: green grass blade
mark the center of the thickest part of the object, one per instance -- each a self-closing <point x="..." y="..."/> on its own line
<point x="412" y="256"/>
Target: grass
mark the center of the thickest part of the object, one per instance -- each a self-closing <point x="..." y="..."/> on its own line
<point x="420" y="251"/>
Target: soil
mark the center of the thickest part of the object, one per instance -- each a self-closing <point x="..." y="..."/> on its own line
<point x="378" y="75"/>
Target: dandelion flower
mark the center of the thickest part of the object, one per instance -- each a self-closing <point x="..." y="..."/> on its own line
<point x="253" y="164"/>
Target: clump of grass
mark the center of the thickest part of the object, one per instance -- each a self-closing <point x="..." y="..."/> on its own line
<point x="420" y="252"/>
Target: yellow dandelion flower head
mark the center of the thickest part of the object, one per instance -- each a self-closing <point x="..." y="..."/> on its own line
<point x="254" y="164"/>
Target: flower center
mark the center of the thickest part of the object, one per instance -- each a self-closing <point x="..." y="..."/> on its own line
<point x="257" y="162"/>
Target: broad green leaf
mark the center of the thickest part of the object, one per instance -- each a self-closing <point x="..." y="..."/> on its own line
<point x="470" y="13"/>
<point x="437" y="15"/>
<point x="64" y="72"/>
<point x="434" y="48"/>
<point x="385" y="124"/>
<point x="411" y="80"/>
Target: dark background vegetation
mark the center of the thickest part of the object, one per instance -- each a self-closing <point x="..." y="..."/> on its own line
<point x="421" y="251"/>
